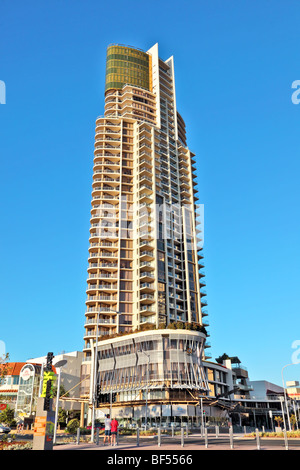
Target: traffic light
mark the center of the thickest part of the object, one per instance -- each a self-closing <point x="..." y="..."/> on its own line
<point x="47" y="396"/>
<point x="98" y="391"/>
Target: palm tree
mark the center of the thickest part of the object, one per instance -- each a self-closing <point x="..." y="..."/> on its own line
<point x="293" y="421"/>
<point x="279" y="420"/>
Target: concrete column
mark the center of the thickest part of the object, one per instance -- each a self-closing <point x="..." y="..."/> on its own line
<point x="82" y="414"/>
<point x="43" y="426"/>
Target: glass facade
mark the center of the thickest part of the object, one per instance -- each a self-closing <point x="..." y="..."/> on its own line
<point x="174" y="361"/>
<point x="28" y="390"/>
<point x="125" y="65"/>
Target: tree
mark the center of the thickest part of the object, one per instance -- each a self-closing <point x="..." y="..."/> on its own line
<point x="62" y="416"/>
<point x="7" y="416"/>
<point x="72" y="426"/>
<point x="220" y="359"/>
<point x="293" y="421"/>
<point x="4" y="366"/>
<point x="62" y="391"/>
<point x="279" y="420"/>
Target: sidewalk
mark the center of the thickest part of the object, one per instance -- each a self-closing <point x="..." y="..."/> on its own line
<point x="151" y="445"/>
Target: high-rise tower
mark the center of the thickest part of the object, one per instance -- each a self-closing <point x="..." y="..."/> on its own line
<point x="145" y="264"/>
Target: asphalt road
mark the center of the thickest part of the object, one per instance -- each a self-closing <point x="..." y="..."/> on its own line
<point x="193" y="442"/>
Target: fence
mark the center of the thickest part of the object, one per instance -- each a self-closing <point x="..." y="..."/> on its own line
<point x="206" y="437"/>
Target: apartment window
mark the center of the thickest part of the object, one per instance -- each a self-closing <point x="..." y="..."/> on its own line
<point x="161" y="265"/>
<point x="125" y="254"/>
<point x="125" y="296"/>
<point x="126" y="244"/>
<point x="125" y="285"/>
<point x="125" y="308"/>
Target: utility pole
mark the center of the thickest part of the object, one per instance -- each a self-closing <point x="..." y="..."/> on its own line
<point x="285" y="397"/>
<point x="147" y="386"/>
<point x="94" y="381"/>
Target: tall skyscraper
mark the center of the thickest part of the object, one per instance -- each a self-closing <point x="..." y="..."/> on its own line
<point x="145" y="279"/>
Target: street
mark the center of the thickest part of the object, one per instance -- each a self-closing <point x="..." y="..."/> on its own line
<point x="193" y="442"/>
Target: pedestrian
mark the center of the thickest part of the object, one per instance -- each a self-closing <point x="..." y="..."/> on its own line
<point x="114" y="431"/>
<point x="107" y="429"/>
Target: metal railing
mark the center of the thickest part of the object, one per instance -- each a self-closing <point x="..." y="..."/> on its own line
<point x="209" y="437"/>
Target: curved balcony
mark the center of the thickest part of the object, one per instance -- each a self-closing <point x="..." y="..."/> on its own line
<point x="146" y="276"/>
<point x="112" y="198"/>
<point x="146" y="299"/>
<point x="102" y="320"/>
<point x="147" y="287"/>
<point x="94" y="311"/>
<point x="147" y="309"/>
<point x="146" y="266"/>
<point x="112" y="190"/>
<point x="146" y="255"/>
<point x="110" y="288"/>
<point x="108" y="255"/>
<point x="105" y="234"/>
<point x="105" y="179"/>
<point x="107" y="245"/>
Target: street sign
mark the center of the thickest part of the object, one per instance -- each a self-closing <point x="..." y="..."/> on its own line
<point x="26" y="373"/>
<point x="48" y="376"/>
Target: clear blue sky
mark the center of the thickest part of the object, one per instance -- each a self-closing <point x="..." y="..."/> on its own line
<point x="234" y="63"/>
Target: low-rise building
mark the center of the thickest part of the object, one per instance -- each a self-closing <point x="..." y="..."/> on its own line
<point x="21" y="385"/>
<point x="70" y="377"/>
<point x="9" y="384"/>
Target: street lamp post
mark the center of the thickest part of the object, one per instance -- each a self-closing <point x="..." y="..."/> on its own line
<point x="296" y="418"/>
<point x="202" y="423"/>
<point x="282" y="410"/>
<point x="298" y="412"/>
<point x="58" y="366"/>
<point x="94" y="382"/>
<point x="147" y="385"/>
<point x="285" y="398"/>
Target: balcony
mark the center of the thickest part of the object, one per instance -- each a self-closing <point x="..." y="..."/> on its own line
<point x="147" y="298"/>
<point x="146" y="255"/>
<point x="240" y="370"/>
<point x="147" y="266"/>
<point x="147" y="309"/>
<point x="146" y="276"/>
<point x="93" y="321"/>
<point x="243" y="387"/>
<point x="107" y="309"/>
<point x="147" y="287"/>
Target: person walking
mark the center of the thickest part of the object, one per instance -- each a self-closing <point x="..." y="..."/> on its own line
<point x="114" y="431"/>
<point x="107" y="429"/>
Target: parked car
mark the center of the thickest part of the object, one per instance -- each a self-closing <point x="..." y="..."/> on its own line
<point x="4" y="429"/>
